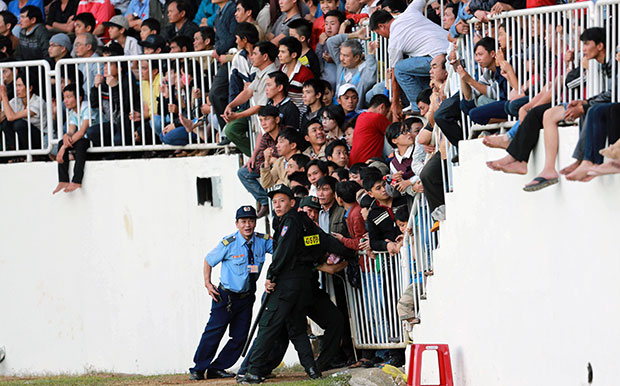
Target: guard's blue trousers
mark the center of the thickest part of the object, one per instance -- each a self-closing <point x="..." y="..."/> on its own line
<point x="231" y="311"/>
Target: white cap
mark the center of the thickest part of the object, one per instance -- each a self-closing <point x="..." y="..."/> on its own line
<point x="346" y="87"/>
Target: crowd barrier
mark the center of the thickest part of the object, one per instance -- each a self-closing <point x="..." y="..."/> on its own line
<point x="125" y="99"/>
<point x="373" y="315"/>
<point x="30" y="134"/>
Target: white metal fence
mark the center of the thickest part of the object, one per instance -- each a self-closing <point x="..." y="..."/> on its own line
<point x="374" y="319"/>
<point x="129" y="103"/>
<point x="26" y="119"/>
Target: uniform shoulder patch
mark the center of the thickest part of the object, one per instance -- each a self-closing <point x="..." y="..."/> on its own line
<point x="262" y="236"/>
<point x="228" y="240"/>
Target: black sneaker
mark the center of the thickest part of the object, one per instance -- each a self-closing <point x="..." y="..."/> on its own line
<point x="195" y="375"/>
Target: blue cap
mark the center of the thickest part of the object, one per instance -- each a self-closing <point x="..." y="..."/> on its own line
<point x="246" y="212"/>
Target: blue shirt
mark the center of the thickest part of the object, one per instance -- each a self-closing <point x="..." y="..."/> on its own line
<point x="13" y="7"/>
<point x="141" y="9"/>
<point x="232" y="252"/>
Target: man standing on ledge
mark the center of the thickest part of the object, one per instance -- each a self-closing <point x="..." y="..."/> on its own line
<point x="242" y="255"/>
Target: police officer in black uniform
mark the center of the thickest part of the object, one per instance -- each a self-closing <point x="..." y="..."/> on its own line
<point x="299" y="244"/>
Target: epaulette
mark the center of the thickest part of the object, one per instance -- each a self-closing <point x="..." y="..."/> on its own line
<point x="228" y="240"/>
<point x="262" y="236"/>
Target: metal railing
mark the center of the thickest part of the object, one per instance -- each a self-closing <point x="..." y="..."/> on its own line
<point x="27" y="88"/>
<point x="373" y="316"/>
<point x="127" y="100"/>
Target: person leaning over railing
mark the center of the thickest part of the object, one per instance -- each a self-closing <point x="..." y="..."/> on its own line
<point x="79" y="117"/>
<point x="23" y="114"/>
<point x="414" y="41"/>
<point x="119" y="98"/>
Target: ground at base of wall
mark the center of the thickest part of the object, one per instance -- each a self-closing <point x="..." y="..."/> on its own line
<point x="287" y="377"/>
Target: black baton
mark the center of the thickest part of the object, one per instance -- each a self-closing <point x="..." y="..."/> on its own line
<point x="254" y="325"/>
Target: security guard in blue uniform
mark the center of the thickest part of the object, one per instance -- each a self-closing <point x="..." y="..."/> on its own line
<point x="242" y="255"/>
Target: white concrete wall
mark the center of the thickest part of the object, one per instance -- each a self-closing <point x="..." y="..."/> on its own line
<point x="109" y="278"/>
<point x="526" y="285"/>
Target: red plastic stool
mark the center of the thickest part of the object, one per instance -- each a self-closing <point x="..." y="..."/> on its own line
<point x="415" y="364"/>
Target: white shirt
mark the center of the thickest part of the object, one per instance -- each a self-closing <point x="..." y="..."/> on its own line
<point x="37" y="108"/>
<point x="413" y="34"/>
<point x="131" y="46"/>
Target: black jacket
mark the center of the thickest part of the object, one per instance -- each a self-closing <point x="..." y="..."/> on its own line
<point x="299" y="245"/>
<point x="381" y="224"/>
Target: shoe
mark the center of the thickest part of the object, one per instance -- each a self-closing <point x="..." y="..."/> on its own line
<point x="196" y="375"/>
<point x="337" y="364"/>
<point x="224" y="142"/>
<point x="216" y="374"/>
<point x="270" y="376"/>
<point x="314" y="373"/>
<point x="262" y="212"/>
<point x="250" y="378"/>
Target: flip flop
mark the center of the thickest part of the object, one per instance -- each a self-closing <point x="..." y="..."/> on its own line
<point x="541" y="183"/>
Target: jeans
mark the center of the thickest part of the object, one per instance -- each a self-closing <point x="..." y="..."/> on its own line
<point x="157" y="123"/>
<point x="513" y="131"/>
<point x="250" y="181"/>
<point x="412" y="75"/>
<point x="596" y="129"/>
<point x="483" y="114"/>
<point x="177" y="137"/>
<point x="512" y="107"/>
<point x="96" y="132"/>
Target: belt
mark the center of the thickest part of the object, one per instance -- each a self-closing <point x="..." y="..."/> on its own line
<point x="238" y="295"/>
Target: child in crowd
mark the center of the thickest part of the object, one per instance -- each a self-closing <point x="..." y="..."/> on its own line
<point x="337" y="152"/>
<point x="75" y="138"/>
<point x="301" y="30"/>
<point x="273" y="170"/>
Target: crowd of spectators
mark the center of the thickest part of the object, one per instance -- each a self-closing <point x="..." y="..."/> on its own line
<point x="299" y="98"/>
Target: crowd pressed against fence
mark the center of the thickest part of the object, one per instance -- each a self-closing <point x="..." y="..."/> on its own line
<point x="348" y="112"/>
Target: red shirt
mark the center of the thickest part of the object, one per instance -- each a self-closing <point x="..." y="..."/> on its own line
<point x="368" y="137"/>
<point x="102" y="10"/>
<point x="319" y="26"/>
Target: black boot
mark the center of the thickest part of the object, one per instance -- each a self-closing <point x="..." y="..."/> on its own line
<point x="314" y="373"/>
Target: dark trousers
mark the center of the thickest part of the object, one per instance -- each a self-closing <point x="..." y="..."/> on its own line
<point x="324" y="312"/>
<point x="447" y="117"/>
<point x="218" y="95"/>
<point x="80" y="147"/>
<point x="94" y="133"/>
<point x="483" y="114"/>
<point x="20" y="127"/>
<point x="598" y="124"/>
<point x="526" y="137"/>
<point x="237" y="319"/>
<point x="278" y="350"/>
<point x="285" y="308"/>
<point x="432" y="181"/>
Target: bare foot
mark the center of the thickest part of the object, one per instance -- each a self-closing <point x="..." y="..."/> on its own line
<point x="60" y="186"/>
<point x="612" y="167"/>
<point x="517" y="167"/>
<point x="72" y="186"/>
<point x="497" y="164"/>
<point x="612" y="151"/>
<point x="187" y="123"/>
<point x="570" y="168"/>
<point x="496" y="141"/>
<point x="581" y="173"/>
